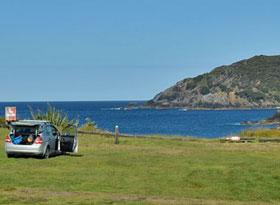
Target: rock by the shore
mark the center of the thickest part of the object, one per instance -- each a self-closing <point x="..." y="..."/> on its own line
<point x="274" y="120"/>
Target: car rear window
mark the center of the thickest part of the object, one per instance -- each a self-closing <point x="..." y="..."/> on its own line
<point x="25" y="130"/>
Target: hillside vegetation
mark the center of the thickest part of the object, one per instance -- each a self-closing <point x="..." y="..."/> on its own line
<point x="251" y="83"/>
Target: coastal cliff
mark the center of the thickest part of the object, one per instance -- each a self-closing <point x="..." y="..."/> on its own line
<point x="250" y="83"/>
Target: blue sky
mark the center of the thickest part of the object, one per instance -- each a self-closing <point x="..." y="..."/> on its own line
<point x="126" y="49"/>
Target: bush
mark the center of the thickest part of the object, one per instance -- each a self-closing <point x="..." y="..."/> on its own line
<point x="204" y="90"/>
<point x="2" y="122"/>
<point x="277" y="98"/>
<point x="254" y="96"/>
<point x="190" y="85"/>
<point x="90" y="125"/>
<point x="56" y="117"/>
<point x="261" y="133"/>
<point x="224" y="88"/>
<point x="198" y="78"/>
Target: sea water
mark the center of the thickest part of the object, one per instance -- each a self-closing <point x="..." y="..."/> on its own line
<point x="177" y="122"/>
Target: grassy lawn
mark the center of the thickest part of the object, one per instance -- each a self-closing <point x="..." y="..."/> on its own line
<point x="145" y="171"/>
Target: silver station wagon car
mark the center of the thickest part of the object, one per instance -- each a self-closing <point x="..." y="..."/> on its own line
<point x="39" y="138"/>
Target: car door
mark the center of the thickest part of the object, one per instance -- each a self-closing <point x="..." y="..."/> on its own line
<point x="52" y="138"/>
<point x="56" y="136"/>
<point x="69" y="139"/>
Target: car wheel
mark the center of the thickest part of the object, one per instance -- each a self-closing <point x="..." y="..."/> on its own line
<point x="10" y="155"/>
<point x="47" y="153"/>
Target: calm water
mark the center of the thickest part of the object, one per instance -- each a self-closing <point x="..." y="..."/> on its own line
<point x="200" y="123"/>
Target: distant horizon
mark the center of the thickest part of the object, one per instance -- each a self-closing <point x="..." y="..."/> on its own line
<point x="55" y="101"/>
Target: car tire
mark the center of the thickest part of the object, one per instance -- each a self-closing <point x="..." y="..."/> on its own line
<point x="47" y="153"/>
<point x="10" y="155"/>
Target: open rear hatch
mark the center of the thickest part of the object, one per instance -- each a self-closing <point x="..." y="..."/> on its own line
<point x="69" y="139"/>
<point x="24" y="135"/>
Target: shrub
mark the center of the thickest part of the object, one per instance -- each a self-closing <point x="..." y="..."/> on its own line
<point x="89" y="125"/>
<point x="204" y="90"/>
<point x="277" y="98"/>
<point x="190" y="85"/>
<point x="56" y="117"/>
<point x="2" y="122"/>
<point x="198" y="78"/>
<point x="254" y="96"/>
<point x="224" y="88"/>
<point x="261" y="133"/>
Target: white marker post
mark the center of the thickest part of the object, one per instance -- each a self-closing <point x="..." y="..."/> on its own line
<point x="117" y="132"/>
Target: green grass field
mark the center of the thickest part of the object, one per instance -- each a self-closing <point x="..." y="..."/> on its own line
<point x="145" y="171"/>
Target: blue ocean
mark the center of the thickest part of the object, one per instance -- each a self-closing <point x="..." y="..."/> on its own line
<point x="177" y="122"/>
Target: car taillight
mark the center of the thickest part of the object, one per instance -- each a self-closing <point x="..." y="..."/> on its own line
<point x="39" y="140"/>
<point x="8" y="139"/>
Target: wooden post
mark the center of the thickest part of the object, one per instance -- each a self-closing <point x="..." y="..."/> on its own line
<point x="117" y="132"/>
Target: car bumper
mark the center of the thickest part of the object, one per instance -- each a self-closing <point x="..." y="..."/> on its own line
<point x="25" y="149"/>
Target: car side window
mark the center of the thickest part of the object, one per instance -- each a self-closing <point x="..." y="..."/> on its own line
<point x="48" y="130"/>
<point x="54" y="131"/>
<point x="44" y="130"/>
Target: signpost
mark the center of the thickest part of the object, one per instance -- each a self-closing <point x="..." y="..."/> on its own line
<point x="10" y="114"/>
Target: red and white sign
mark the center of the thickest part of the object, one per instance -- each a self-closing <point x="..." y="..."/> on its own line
<point x="11" y="114"/>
